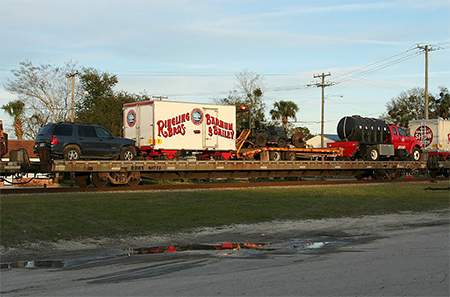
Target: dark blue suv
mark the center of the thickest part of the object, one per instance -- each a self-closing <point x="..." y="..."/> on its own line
<point x="73" y="141"/>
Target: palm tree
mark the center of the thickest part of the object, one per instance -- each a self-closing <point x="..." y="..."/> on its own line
<point x="284" y="110"/>
<point x="16" y="109"/>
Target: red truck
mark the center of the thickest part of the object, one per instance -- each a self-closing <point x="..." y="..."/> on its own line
<point x="373" y="139"/>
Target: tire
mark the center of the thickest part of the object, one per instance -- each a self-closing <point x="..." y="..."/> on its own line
<point x="274" y="156"/>
<point x="281" y="142"/>
<point x="298" y="140"/>
<point x="71" y="153"/>
<point x="289" y="156"/>
<point x="135" y="179"/>
<point x="261" y="139"/>
<point x="82" y="180"/>
<point x="100" y="180"/>
<point x="373" y="154"/>
<point x="127" y="153"/>
<point x="415" y="155"/>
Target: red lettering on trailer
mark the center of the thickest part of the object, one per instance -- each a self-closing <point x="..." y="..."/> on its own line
<point x="173" y="126"/>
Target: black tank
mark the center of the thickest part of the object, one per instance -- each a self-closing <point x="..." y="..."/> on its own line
<point x="356" y="128"/>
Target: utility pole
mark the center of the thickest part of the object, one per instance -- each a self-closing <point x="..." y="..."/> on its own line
<point x="426" y="49"/>
<point x="322" y="85"/>
<point x="72" y="75"/>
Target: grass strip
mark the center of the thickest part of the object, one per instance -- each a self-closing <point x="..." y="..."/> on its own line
<point x="26" y="218"/>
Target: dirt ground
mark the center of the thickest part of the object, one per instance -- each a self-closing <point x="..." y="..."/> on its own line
<point x="275" y="231"/>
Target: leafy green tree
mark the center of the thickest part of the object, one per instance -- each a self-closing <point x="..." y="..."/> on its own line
<point x="441" y="106"/>
<point x="101" y="105"/>
<point x="410" y="105"/>
<point x="284" y="110"/>
<point x="16" y="110"/>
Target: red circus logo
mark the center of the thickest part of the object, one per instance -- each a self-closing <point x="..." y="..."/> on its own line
<point x="131" y="118"/>
<point x="197" y="116"/>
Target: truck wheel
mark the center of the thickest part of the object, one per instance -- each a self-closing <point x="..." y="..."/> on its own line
<point x="71" y="153"/>
<point x="373" y="154"/>
<point x="261" y="139"/>
<point x="127" y="154"/>
<point x="415" y="155"/>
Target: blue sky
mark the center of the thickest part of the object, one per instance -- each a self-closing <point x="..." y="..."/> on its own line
<point x="191" y="50"/>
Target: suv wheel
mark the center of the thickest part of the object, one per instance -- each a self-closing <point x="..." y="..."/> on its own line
<point x="71" y="153"/>
<point x="127" y="154"/>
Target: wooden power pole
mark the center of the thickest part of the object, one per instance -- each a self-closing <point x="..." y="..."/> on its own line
<point x="426" y="49"/>
<point x="322" y="84"/>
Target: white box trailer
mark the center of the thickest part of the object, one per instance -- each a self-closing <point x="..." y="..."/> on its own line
<point x="164" y="127"/>
<point x="433" y="134"/>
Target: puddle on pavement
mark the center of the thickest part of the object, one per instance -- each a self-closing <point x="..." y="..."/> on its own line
<point x="34" y="264"/>
<point x="316" y="245"/>
<point x="297" y="245"/>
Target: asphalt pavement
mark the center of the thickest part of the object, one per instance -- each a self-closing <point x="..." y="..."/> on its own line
<point x="397" y="261"/>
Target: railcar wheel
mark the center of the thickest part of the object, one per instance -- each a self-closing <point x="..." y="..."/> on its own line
<point x="394" y="174"/>
<point x="71" y="153"/>
<point x="275" y="156"/>
<point x="82" y="179"/>
<point x="135" y="179"/>
<point x="433" y="174"/>
<point x="100" y="179"/>
<point x="379" y="174"/>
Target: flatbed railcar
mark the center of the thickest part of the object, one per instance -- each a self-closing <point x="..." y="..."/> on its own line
<point x="101" y="172"/>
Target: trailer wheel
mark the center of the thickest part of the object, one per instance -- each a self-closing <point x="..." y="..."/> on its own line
<point x="415" y="155"/>
<point x="71" y="153"/>
<point x="289" y="156"/>
<point x="100" y="179"/>
<point x="82" y="179"/>
<point x="274" y="156"/>
<point x="373" y="154"/>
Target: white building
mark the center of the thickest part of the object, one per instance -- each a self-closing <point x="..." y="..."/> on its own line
<point x="315" y="142"/>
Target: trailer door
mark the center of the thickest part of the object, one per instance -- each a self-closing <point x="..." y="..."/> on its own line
<point x="211" y="139"/>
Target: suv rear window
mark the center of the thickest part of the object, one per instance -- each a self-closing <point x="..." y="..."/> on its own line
<point x="46" y="130"/>
<point x="63" y="130"/>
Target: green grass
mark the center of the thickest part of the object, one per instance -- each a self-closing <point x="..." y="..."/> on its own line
<point x="26" y="218"/>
